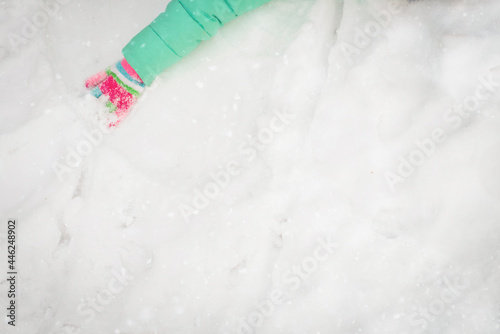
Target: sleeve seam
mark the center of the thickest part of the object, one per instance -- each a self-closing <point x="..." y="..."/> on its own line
<point x="161" y="39"/>
<point x="192" y="17"/>
<point x="230" y="7"/>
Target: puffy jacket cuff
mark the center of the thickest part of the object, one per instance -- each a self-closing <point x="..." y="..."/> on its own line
<point x="149" y="55"/>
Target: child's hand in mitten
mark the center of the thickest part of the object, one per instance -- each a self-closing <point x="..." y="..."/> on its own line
<point x="118" y="87"/>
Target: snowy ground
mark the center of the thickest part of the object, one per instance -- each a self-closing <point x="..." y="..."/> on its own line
<point x="309" y="170"/>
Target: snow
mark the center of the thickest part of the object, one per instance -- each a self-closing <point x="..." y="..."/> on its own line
<point x="308" y="170"/>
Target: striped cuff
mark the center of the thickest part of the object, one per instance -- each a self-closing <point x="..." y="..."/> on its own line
<point x="126" y="80"/>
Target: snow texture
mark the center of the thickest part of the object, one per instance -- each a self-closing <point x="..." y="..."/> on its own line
<point x="319" y="166"/>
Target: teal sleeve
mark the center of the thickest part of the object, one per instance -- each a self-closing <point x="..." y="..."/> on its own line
<point x="178" y="30"/>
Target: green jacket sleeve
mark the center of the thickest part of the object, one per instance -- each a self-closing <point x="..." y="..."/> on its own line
<point x="178" y="30"/>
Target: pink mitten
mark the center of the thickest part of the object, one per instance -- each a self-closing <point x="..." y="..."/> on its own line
<point x="118" y="87"/>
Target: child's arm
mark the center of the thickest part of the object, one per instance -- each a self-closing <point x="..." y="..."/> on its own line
<point x="171" y="36"/>
<point x="178" y="30"/>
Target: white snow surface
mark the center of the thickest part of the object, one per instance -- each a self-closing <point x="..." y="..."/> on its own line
<point x="357" y="167"/>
